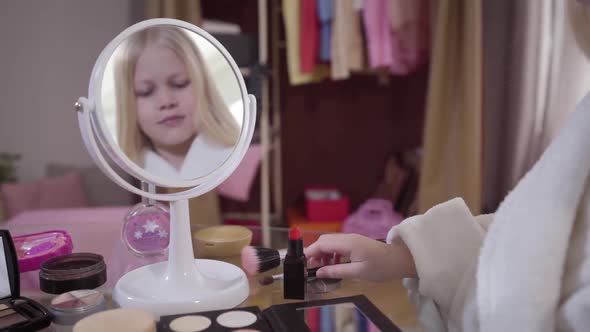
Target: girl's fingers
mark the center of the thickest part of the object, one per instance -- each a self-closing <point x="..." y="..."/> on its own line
<point x="342" y="271"/>
<point x="330" y="244"/>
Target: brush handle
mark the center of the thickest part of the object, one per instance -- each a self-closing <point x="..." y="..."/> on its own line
<point x="311" y="273"/>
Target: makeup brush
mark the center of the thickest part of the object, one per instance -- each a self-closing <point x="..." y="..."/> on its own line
<point x="259" y="259"/>
<point x="267" y="280"/>
<point x="316" y="286"/>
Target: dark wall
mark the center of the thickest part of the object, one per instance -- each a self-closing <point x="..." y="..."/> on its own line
<point x="342" y="133"/>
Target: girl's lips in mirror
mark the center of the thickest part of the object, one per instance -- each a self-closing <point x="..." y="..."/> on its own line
<point x="172" y="120"/>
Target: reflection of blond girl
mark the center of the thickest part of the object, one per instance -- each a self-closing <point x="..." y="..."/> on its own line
<point x="171" y="118"/>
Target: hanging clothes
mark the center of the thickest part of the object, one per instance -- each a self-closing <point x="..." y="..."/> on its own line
<point x="325" y="14"/>
<point x="347" y="41"/>
<point x="377" y="33"/>
<point x="397" y="33"/>
<point x="291" y="18"/>
<point x="309" y="39"/>
<point x="409" y="23"/>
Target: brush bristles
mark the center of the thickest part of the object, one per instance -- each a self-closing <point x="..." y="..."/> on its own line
<point x="258" y="259"/>
<point x="249" y="260"/>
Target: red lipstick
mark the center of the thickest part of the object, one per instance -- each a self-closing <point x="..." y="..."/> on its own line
<point x="295" y="267"/>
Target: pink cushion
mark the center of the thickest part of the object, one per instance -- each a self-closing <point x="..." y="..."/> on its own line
<point x="63" y="191"/>
<point x="96" y="230"/>
<point x="19" y="197"/>
<point x="237" y="185"/>
<point x="48" y="193"/>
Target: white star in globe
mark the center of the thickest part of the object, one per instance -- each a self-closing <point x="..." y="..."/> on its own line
<point x="162" y="234"/>
<point x="150" y="226"/>
<point x="138" y="235"/>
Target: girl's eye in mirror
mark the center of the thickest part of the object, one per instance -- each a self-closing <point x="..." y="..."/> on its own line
<point x="145" y="92"/>
<point x="180" y="84"/>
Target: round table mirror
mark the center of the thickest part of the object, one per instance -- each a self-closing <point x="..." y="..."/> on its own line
<point x="168" y="105"/>
<point x="171" y="103"/>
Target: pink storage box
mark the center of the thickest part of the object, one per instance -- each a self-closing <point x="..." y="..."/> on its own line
<point x="325" y="204"/>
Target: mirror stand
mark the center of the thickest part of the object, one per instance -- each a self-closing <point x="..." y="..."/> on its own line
<point x="182" y="283"/>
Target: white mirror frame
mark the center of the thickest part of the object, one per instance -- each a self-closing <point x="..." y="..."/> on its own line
<point x="92" y="124"/>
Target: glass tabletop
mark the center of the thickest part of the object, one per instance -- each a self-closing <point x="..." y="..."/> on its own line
<point x="104" y="238"/>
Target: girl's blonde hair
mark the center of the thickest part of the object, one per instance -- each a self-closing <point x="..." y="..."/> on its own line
<point x="579" y="16"/>
<point x="212" y="116"/>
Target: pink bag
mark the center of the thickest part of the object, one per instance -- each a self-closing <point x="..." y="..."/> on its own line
<point x="373" y="219"/>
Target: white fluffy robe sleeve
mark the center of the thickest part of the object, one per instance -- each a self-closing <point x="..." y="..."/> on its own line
<point x="445" y="244"/>
<point x="529" y="269"/>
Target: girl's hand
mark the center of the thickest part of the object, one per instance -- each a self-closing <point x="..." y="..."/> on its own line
<point x="369" y="259"/>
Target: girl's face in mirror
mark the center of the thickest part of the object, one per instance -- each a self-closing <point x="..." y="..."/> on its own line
<point x="164" y="97"/>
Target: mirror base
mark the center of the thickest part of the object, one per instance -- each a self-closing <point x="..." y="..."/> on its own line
<point x="149" y="289"/>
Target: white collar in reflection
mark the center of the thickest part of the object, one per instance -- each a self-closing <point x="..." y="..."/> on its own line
<point x="202" y="158"/>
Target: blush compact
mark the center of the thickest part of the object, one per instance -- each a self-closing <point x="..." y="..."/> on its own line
<point x="17" y="313"/>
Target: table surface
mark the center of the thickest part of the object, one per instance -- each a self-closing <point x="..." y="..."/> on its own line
<point x="390" y="297"/>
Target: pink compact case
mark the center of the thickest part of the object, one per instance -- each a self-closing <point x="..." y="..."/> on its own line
<point x="34" y="249"/>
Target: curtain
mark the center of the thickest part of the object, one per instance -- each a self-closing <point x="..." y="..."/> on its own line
<point x="531" y="87"/>
<point x="452" y="160"/>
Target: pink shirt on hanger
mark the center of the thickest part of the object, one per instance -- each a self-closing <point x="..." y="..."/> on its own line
<point x="397" y="34"/>
<point x="377" y="33"/>
<point x="409" y="21"/>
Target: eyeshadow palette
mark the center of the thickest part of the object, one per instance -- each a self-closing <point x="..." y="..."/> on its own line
<point x="17" y="313"/>
<point x="351" y="314"/>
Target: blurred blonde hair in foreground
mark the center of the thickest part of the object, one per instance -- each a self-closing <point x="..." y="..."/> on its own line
<point x="212" y="116"/>
<point x="579" y="16"/>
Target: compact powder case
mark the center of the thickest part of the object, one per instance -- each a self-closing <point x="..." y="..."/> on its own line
<point x="72" y="272"/>
<point x="70" y="307"/>
<point x="17" y="313"/>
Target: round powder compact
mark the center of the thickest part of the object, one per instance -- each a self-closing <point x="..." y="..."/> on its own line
<point x="117" y="320"/>
<point x="236" y="319"/>
<point x="70" y="307"/>
<point x="191" y="323"/>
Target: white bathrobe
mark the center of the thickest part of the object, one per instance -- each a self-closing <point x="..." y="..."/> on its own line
<point x="525" y="268"/>
<point x="202" y="158"/>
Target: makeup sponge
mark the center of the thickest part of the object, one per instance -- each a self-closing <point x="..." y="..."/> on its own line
<point x="117" y="320"/>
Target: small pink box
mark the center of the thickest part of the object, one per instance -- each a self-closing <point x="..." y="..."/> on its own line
<point x="326" y="204"/>
<point x="34" y="249"/>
